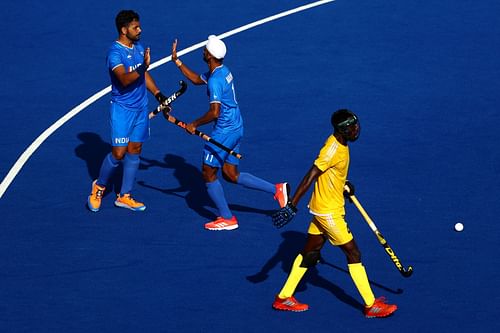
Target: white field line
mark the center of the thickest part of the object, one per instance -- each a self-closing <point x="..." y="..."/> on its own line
<point x="21" y="161"/>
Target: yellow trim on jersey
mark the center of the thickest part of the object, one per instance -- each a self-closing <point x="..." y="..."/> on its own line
<point x="333" y="160"/>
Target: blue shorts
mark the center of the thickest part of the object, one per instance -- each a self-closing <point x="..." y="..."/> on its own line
<point x="127" y="125"/>
<point x="216" y="157"/>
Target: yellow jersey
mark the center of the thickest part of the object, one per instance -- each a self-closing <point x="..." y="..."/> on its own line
<point x="333" y="160"/>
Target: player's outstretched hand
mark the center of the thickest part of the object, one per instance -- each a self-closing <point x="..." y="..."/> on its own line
<point x="165" y="110"/>
<point x="160" y="97"/>
<point x="348" y="190"/>
<point x="174" y="50"/>
<point x="284" y="215"/>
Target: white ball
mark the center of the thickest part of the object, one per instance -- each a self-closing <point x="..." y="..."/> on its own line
<point x="459" y="226"/>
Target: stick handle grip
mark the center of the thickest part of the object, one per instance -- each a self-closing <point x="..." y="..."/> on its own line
<point x="202" y="135"/>
<point x="364" y="213"/>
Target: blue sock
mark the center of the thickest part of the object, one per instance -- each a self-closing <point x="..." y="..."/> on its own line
<point x="130" y="166"/>
<point x="256" y="183"/>
<point x="108" y="166"/>
<point x="216" y="193"/>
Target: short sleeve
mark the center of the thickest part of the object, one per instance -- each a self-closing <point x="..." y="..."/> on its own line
<point x="215" y="90"/>
<point x="327" y="155"/>
<point x="114" y="59"/>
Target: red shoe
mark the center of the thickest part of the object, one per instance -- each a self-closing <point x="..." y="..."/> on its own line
<point x="282" y="192"/>
<point x="289" y="304"/>
<point x="380" y="309"/>
<point x="222" y="224"/>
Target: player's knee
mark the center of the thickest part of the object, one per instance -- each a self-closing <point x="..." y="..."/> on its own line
<point x="230" y="174"/>
<point x="118" y="154"/>
<point x="229" y="177"/>
<point x="134" y="148"/>
<point x="209" y="177"/>
<point x="310" y="259"/>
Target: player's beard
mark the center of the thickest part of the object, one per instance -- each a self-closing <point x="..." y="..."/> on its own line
<point x="134" y="38"/>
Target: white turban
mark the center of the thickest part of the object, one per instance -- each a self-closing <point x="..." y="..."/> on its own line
<point x="216" y="47"/>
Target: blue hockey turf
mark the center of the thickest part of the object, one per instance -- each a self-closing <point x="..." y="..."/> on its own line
<point x="422" y="77"/>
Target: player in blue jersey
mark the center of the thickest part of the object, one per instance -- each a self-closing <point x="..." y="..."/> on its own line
<point x="224" y="112"/>
<point x="127" y="63"/>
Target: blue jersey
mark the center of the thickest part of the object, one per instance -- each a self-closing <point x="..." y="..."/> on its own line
<point x="134" y="96"/>
<point x="221" y="90"/>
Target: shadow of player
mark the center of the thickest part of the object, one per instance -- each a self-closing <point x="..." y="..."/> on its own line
<point x="291" y="245"/>
<point x="93" y="150"/>
<point x="191" y="186"/>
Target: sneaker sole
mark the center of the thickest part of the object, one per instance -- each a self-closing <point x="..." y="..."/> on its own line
<point x="288" y="309"/>
<point x="381" y="316"/>
<point x="139" y="209"/>
<point x="232" y="227"/>
<point x="384" y="316"/>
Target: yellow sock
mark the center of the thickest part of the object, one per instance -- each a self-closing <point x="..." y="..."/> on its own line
<point x="358" y="275"/>
<point x="293" y="279"/>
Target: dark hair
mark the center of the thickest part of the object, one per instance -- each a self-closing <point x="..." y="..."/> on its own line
<point x="124" y="18"/>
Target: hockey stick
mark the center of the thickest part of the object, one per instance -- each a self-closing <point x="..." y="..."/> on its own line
<point x="406" y="272"/>
<point x="170" y="99"/>
<point x="202" y="135"/>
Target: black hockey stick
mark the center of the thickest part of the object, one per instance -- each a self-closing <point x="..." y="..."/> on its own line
<point x="170" y="99"/>
<point x="406" y="272"/>
<point x="202" y="135"/>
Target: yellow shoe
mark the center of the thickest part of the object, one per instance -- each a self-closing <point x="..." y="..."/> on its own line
<point x="126" y="201"/>
<point x="94" y="199"/>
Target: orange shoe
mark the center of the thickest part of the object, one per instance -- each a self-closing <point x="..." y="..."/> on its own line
<point x="282" y="192"/>
<point x="222" y="224"/>
<point x="126" y="201"/>
<point x="94" y="199"/>
<point x="380" y="309"/>
<point x="289" y="304"/>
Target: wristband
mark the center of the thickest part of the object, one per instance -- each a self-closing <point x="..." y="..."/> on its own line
<point x="141" y="70"/>
<point x="178" y="62"/>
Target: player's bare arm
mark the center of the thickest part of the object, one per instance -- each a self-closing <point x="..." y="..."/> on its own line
<point x="304" y="185"/>
<point x="151" y="84"/>
<point x="127" y="78"/>
<point x="211" y="115"/>
<point x="188" y="73"/>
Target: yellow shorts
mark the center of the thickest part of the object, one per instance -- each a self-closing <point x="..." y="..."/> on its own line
<point x="333" y="226"/>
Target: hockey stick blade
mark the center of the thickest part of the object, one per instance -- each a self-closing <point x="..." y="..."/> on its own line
<point x="407" y="272"/>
